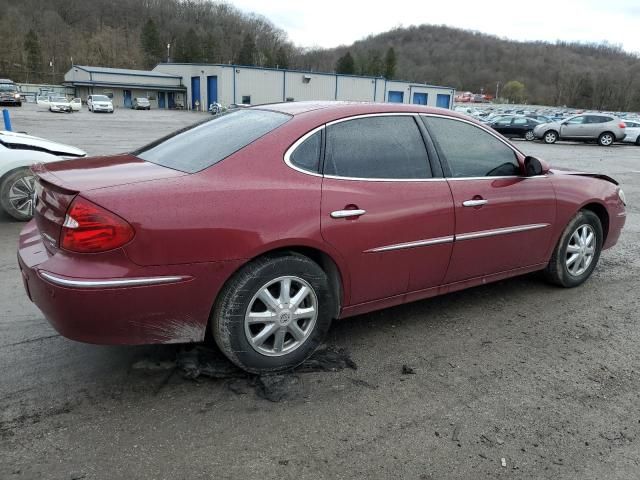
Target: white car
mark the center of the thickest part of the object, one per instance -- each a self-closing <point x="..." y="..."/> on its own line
<point x="54" y="103"/>
<point x="99" y="103"/>
<point x="18" y="152"/>
<point x="632" y="131"/>
<point x="76" y="105"/>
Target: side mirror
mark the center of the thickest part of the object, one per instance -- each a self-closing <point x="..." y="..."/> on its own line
<point x="534" y="167"/>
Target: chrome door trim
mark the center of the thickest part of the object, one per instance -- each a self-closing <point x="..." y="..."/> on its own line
<point x="501" y="231"/>
<point x="455" y="238"/>
<point x="347" y="213"/>
<point x="109" y="283"/>
<point x="417" y="243"/>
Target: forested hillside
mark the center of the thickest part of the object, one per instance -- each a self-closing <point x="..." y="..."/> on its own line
<point x="41" y="38"/>
<point x="587" y="76"/>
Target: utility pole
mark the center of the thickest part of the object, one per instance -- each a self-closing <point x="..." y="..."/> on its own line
<point x="168" y="52"/>
<point x="497" y="89"/>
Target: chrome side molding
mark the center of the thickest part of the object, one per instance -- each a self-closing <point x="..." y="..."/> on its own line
<point x="501" y="231"/>
<point x="417" y="243"/>
<point x="109" y="283"/>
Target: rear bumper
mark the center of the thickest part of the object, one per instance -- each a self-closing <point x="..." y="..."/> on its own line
<point x="143" y="305"/>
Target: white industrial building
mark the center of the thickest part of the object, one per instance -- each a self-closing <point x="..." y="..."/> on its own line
<point x="196" y="86"/>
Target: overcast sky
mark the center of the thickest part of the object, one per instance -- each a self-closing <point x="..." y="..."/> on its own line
<point x="329" y="23"/>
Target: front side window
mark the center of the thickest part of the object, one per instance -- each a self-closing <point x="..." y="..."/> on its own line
<point x="576" y="120"/>
<point x="471" y="151"/>
<point x="202" y="145"/>
<point x="376" y="147"/>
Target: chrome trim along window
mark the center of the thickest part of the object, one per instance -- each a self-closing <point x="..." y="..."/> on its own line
<point x="291" y="149"/>
<point x="130" y="282"/>
<point x="501" y="231"/>
<point x="418" y="243"/>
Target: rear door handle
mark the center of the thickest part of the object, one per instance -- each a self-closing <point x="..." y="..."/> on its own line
<point x="347" y="213"/>
<point x="475" y="203"/>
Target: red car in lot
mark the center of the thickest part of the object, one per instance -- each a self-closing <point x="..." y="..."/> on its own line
<point x="265" y="224"/>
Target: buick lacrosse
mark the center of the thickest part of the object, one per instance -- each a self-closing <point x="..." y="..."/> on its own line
<point x="261" y="226"/>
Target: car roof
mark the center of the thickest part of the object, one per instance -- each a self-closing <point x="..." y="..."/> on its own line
<point x="339" y="109"/>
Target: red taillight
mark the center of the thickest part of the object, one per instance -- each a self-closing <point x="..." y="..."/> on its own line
<point x="622" y="125"/>
<point x="89" y="228"/>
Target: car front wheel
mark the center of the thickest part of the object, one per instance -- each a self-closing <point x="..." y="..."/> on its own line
<point x="273" y="313"/>
<point x="606" y="139"/>
<point x="16" y="194"/>
<point x="550" y="137"/>
<point x="577" y="252"/>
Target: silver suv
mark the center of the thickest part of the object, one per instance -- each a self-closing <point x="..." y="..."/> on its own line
<point x="605" y="129"/>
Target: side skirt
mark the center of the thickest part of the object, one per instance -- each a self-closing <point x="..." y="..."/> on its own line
<point x="367" y="307"/>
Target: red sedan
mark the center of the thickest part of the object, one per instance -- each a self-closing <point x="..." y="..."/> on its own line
<point x="262" y="225"/>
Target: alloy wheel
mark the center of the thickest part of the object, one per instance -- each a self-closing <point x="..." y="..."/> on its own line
<point x="21" y="195"/>
<point x="606" y="140"/>
<point x="580" y="250"/>
<point x="550" y="137"/>
<point x="281" y="316"/>
<point x="529" y="135"/>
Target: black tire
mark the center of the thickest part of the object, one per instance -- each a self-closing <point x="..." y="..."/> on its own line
<point x="550" y="136"/>
<point x="228" y="316"/>
<point x="638" y="141"/>
<point x="557" y="271"/>
<point x="606" y="139"/>
<point x="7" y="182"/>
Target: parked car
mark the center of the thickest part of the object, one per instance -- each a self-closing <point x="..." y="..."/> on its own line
<point x="99" y="103"/>
<point x="18" y="152"/>
<point x="516" y="126"/>
<point x="264" y="224"/>
<point x="605" y="129"/>
<point x="141" y="103"/>
<point x="9" y="93"/>
<point x="76" y="104"/>
<point x="540" y="118"/>
<point x="632" y="131"/>
<point x="54" y="103"/>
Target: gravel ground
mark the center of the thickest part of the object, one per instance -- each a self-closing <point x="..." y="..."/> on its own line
<point x="545" y="378"/>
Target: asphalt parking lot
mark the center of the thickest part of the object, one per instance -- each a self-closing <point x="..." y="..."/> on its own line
<point x="545" y="378"/>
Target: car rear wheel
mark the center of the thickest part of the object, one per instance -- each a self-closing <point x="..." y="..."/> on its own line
<point x="529" y="136"/>
<point x="273" y="313"/>
<point x="638" y="141"/>
<point x="550" y="137"/>
<point x="16" y="194"/>
<point x="606" y="139"/>
<point x="578" y="250"/>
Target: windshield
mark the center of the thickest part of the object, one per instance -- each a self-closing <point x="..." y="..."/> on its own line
<point x="101" y="98"/>
<point x="204" y="144"/>
<point x="58" y="99"/>
<point x="8" y="87"/>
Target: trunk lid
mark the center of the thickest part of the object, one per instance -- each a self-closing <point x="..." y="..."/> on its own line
<point x="58" y="183"/>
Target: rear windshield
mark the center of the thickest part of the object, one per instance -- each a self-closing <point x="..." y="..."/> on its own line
<point x="199" y="146"/>
<point x="101" y="98"/>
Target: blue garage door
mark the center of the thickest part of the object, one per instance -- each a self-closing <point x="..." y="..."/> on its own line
<point x="443" y="100"/>
<point x="195" y="92"/>
<point x="161" y="100"/>
<point x="212" y="90"/>
<point x="127" y="98"/>
<point x="419" y="98"/>
<point x="395" y="97"/>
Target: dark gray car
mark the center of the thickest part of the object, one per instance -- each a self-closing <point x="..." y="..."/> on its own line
<point x="605" y="129"/>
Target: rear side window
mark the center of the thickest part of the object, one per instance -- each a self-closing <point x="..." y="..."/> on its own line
<point x="598" y="119"/>
<point x="307" y="154"/>
<point x="469" y="150"/>
<point x="376" y="147"/>
<point x="202" y="145"/>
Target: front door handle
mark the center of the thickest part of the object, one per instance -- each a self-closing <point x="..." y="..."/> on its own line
<point x="475" y="203"/>
<point x="347" y="213"/>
